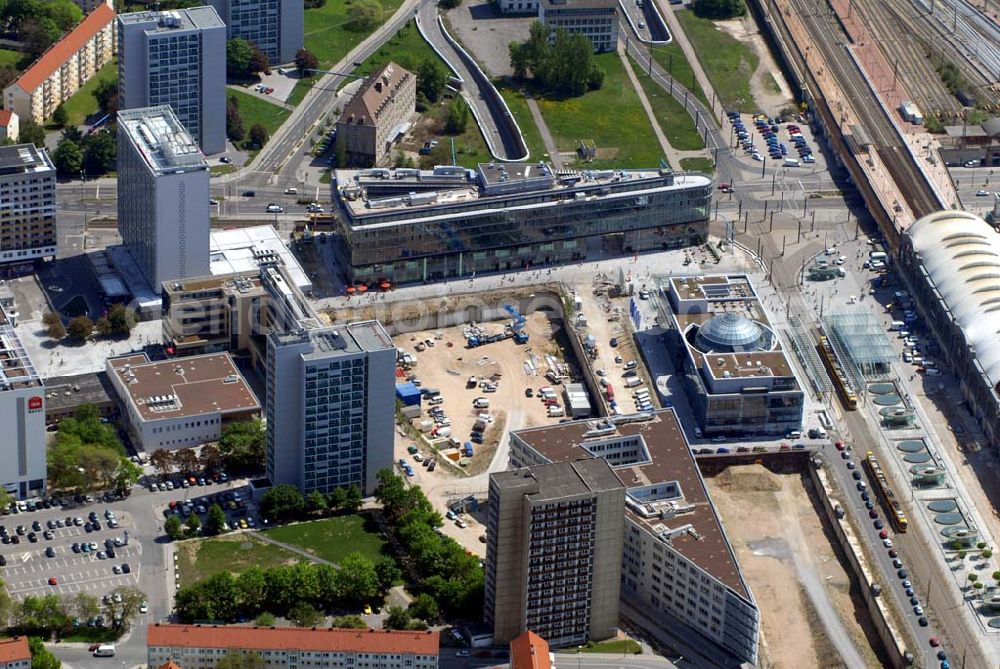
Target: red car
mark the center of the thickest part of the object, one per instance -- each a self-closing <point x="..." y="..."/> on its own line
<point x="873" y="514"/>
<point x="893" y="553"/>
<point x="53" y="580"/>
<point x="883" y="534"/>
<point x="785" y="447"/>
<point x="935" y="642"/>
<point x="839" y="445"/>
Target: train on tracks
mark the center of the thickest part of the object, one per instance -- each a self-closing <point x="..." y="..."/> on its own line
<point x="884" y="491"/>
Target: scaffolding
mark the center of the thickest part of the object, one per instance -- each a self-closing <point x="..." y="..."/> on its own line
<point x="862" y="346"/>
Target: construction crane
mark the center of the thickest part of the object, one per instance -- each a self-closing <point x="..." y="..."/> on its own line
<point x="517" y="324"/>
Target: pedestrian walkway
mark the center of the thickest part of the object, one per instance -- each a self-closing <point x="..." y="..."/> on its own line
<point x="543" y="129"/>
<point x="692" y="57"/>
<point x="294" y="549"/>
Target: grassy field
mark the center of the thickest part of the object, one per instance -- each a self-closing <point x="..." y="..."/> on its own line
<point x="613" y="647"/>
<point x="676" y="124"/>
<point x="698" y="165"/>
<point x="519" y="108"/>
<point x="202" y="558"/>
<point x="255" y="110"/>
<point x="672" y="59"/>
<point x="83" y="103"/>
<point x="406" y="47"/>
<point x="728" y="62"/>
<point x="333" y="538"/>
<point x="612" y="116"/>
<point x="326" y="34"/>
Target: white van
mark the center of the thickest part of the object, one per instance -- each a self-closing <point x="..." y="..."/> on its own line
<point x="791" y="162"/>
<point x="896" y="325"/>
<point x="481" y="403"/>
<point x="556" y="410"/>
<point x="633" y="381"/>
<point x="105" y="650"/>
<point x="878" y="255"/>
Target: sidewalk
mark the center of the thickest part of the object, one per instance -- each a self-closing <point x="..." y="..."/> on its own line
<point x="543" y="129"/>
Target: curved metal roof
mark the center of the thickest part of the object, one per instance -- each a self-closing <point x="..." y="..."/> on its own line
<point x="961" y="254"/>
<point x="730" y="333"/>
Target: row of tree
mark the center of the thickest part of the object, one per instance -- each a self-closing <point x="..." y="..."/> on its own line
<point x="39" y="24"/>
<point x="288" y="591"/>
<point x="118" y="322"/>
<point x="284" y="503"/>
<point x="245" y="60"/>
<point x="53" y="614"/>
<point x="451" y="577"/>
<point x="255" y="139"/>
<point x="93" y="154"/>
<point x="86" y="455"/>
<point x="564" y="65"/>
<point x="215" y="524"/>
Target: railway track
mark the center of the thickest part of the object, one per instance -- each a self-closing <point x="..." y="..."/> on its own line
<point x="831" y="40"/>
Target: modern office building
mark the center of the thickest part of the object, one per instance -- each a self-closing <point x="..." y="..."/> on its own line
<point x="180" y="403"/>
<point x="597" y="20"/>
<point x="27" y="204"/>
<point x="250" y="248"/>
<point x="275" y="26"/>
<point x="15" y="653"/>
<point x="677" y="564"/>
<point x="64" y="67"/>
<point x="22" y="410"/>
<point x="176" y="58"/>
<point x="530" y="651"/>
<point x="950" y="260"/>
<point x="203" y="646"/>
<point x="377" y="116"/>
<point x="330" y="410"/>
<point x="163" y="213"/>
<point x="415" y="225"/>
<point x="737" y="376"/>
<point x="554" y="552"/>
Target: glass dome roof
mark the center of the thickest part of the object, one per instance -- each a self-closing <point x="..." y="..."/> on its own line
<point x="729" y="333"/>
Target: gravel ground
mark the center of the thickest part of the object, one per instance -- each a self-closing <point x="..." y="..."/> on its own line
<point x="480" y="27"/>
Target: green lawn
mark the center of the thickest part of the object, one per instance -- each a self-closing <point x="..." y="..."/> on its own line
<point x="83" y="104"/>
<point x="612" y="647"/>
<point x="406" y="48"/>
<point x="333" y="538"/>
<point x="202" y="558"/>
<point x="672" y="59"/>
<point x="519" y="109"/>
<point x="612" y="116"/>
<point x="698" y="165"/>
<point x="254" y="110"/>
<point x="728" y="62"/>
<point x="675" y="122"/>
<point x="326" y="36"/>
<point x="12" y="58"/>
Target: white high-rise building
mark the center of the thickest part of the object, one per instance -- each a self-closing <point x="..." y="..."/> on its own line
<point x="163" y="210"/>
<point x="330" y="406"/>
<point x="27" y="204"/>
<point x="176" y="58"/>
<point x="275" y="26"/>
<point x="22" y="413"/>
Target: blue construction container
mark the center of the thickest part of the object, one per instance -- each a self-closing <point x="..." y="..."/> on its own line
<point x="408" y="394"/>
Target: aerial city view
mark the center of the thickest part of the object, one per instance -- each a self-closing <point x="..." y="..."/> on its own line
<point x="420" y="334"/>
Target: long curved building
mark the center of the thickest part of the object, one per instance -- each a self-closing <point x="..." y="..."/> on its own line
<point x="951" y="261"/>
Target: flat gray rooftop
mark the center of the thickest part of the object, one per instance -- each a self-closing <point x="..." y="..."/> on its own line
<point x="561" y="479"/>
<point x="22" y="158"/>
<point x="161" y="139"/>
<point x="175" y="19"/>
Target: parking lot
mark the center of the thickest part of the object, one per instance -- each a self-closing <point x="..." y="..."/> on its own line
<point x="29" y="570"/>
<point x="788" y="143"/>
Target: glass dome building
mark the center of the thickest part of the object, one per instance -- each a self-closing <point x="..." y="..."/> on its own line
<point x="730" y="333"/>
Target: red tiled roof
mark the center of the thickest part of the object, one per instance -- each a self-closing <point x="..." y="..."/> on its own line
<point x="292" y="638"/>
<point x="12" y="650"/>
<point x="529" y="651"/>
<point x="61" y="51"/>
<point x="5" y="117"/>
<point x="170" y="665"/>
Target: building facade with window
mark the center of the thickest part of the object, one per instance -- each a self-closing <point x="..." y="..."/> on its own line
<point x="27" y="204"/>
<point x="677" y="564"/>
<point x="597" y="20"/>
<point x="553" y="552"/>
<point x="176" y="58"/>
<point x="410" y="226"/>
<point x="275" y="26"/>
<point x="22" y="412"/>
<point x="330" y="413"/>
<point x="204" y="646"/>
<point x="377" y="116"/>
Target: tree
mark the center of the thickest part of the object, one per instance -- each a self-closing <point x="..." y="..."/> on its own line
<point x="353" y="622"/>
<point x="458" y="116"/>
<point x="336" y="498"/>
<point x="122" y="606"/>
<point x="238" y="55"/>
<point x="42" y="657"/>
<point x="316" y="502"/>
<point x="54" y="327"/>
<point x="126" y="476"/>
<point x="210" y="458"/>
<point x="85" y="453"/>
<point x="265" y="620"/>
<point x="243" y="445"/>
<point x="363" y="15"/>
<point x="185" y="459"/>
<point x="398" y="618"/>
<point x="86" y="606"/>
<point x="305" y="60"/>
<point x="8" y="75"/>
<point x="252" y="588"/>
<point x="449" y="4"/>
<point x="387" y="572"/>
<point x="234" y="121"/>
<point x="357" y="580"/>
<point x="282" y="502"/>
<point x="80" y="328"/>
<point x="122" y="319"/>
<point x="43" y="614"/>
<point x="431" y="79"/>
<point x="987" y="553"/>
<point x="6" y="605"/>
<point x="564" y="64"/>
<point x="106" y="94"/>
<point x="425" y="608"/>
<point x="354" y="498"/>
<point x="39" y="34"/>
<point x="193" y="524"/>
<point x="243" y="660"/>
<point x="68" y="158"/>
<point x="59" y="116"/>
<point x="305" y="614"/>
<point x="718" y="9"/>
<point x="172" y="528"/>
<point x="100" y="153"/>
<point x="258" y="136"/>
<point x="162" y="461"/>
<point x="259" y="62"/>
<point x="31" y="133"/>
<point x="215" y="521"/>
<point x="103" y="326"/>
